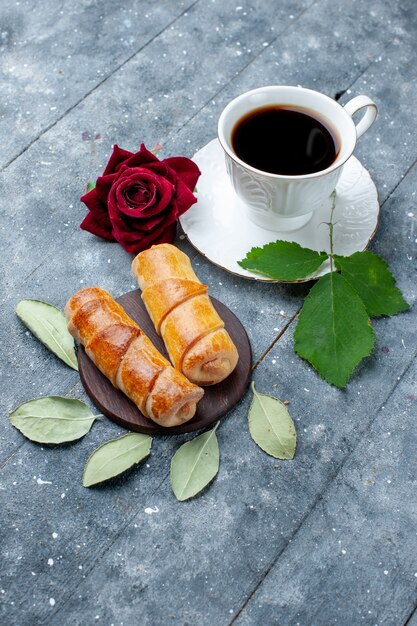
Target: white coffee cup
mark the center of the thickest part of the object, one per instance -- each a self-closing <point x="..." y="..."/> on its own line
<point x="282" y="202"/>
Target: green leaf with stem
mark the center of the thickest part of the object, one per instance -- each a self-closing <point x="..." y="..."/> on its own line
<point x="370" y="276"/>
<point x="283" y="260"/>
<point x="334" y="332"/>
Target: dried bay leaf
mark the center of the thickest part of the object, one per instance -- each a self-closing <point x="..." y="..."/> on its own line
<point x="271" y="426"/>
<point x="53" y="419"/>
<point x="283" y="260"/>
<point x="49" y="325"/>
<point x="195" y="464"/>
<point x="116" y="456"/>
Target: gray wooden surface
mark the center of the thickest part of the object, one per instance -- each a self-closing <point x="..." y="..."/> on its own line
<point x="327" y="539"/>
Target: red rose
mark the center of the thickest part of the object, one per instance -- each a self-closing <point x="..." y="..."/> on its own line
<point x="139" y="198"/>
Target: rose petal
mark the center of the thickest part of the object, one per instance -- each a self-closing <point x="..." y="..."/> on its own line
<point x="160" y="169"/>
<point x="97" y="221"/>
<point x="158" y="200"/>
<point x="137" y="194"/>
<point x="186" y="170"/>
<point x="94" y="225"/>
<point x="96" y="206"/>
<point x="144" y="156"/>
<point x="89" y="198"/>
<point x="117" y="157"/>
<point x="121" y="222"/>
<point x="103" y="186"/>
<point x="184" y="198"/>
<point x="119" y="205"/>
<point x="164" y="235"/>
<point x="122" y="190"/>
<point x="156" y="170"/>
<point x="146" y="225"/>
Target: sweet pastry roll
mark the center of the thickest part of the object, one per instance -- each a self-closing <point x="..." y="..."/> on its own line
<point x="128" y="358"/>
<point x="183" y="314"/>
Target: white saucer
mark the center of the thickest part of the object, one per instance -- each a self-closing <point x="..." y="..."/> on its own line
<point x="218" y="226"/>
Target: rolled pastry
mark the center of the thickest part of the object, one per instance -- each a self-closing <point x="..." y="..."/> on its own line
<point x="182" y="312"/>
<point x="128" y="358"/>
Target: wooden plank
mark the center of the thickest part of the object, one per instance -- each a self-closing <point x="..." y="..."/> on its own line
<point x="53" y="55"/>
<point x="354" y="559"/>
<point x="198" y="561"/>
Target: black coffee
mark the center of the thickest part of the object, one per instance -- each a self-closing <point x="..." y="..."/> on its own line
<point x="282" y="139"/>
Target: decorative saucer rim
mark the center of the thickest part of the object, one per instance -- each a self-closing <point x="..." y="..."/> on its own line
<point x="259" y="277"/>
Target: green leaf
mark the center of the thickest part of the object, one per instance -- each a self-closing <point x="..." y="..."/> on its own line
<point x="116" y="456"/>
<point x="49" y="325"/>
<point x="334" y="332"/>
<point x="283" y="260"/>
<point x="90" y="187"/>
<point x="271" y="426"/>
<point x="53" y="419"/>
<point x="370" y="276"/>
<point x="195" y="464"/>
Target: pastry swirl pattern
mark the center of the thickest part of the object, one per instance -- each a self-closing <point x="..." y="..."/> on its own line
<point x="181" y="310"/>
<point x="127" y="357"/>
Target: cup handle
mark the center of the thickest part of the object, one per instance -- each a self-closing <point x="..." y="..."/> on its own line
<point x="358" y="103"/>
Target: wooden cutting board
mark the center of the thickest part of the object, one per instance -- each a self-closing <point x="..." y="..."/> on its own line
<point x="217" y="401"/>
